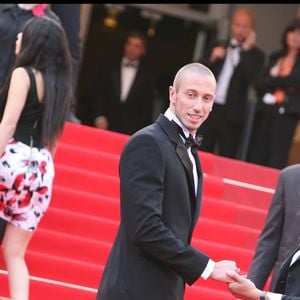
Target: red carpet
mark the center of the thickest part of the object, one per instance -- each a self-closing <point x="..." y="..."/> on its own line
<point x="67" y="255"/>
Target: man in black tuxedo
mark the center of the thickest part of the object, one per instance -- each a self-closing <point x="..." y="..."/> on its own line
<point x="161" y="189"/>
<point x="235" y="64"/>
<point x="280" y="234"/>
<point x="287" y="286"/>
<point x="125" y="90"/>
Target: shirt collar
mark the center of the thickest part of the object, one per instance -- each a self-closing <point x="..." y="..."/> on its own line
<point x="233" y="42"/>
<point x="170" y="115"/>
<point x="126" y="61"/>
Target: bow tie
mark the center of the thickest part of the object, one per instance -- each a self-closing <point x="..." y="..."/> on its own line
<point x="190" y="141"/>
<point x="233" y="46"/>
<point x="193" y="142"/>
<point x="130" y="64"/>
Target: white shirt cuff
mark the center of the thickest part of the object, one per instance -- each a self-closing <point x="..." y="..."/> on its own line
<point x="208" y="270"/>
<point x="273" y="296"/>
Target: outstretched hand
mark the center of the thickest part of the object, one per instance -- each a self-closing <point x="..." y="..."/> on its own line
<point x="220" y="269"/>
<point x="241" y="287"/>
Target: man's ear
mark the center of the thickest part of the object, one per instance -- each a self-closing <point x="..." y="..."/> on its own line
<point x="172" y="94"/>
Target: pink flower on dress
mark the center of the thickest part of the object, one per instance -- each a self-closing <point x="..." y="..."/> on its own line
<point x="26" y="199"/>
<point x="42" y="190"/>
<point x="39" y="10"/>
<point x="42" y="167"/>
<point x="18" y="181"/>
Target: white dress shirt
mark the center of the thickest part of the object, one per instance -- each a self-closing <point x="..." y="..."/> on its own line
<point x="171" y="117"/>
<point x="232" y="58"/>
<point x="128" y="74"/>
<point x="169" y="114"/>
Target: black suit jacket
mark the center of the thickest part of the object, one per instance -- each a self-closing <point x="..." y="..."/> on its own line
<point x="12" y="20"/>
<point x="69" y="15"/>
<point x="243" y="76"/>
<point x="288" y="282"/>
<point x="137" y="111"/>
<point x="151" y="257"/>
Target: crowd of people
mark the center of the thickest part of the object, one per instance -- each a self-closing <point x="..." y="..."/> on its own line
<point x="160" y="196"/>
<point x="123" y="97"/>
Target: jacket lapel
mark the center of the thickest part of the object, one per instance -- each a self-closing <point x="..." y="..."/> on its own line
<point x="137" y="78"/>
<point x="116" y="75"/>
<point x="173" y="135"/>
<point x="200" y="183"/>
<point x="184" y="157"/>
<point x="283" y="272"/>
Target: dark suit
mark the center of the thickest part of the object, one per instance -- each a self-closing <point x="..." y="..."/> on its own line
<point x="280" y="234"/>
<point x="151" y="257"/>
<point x="69" y="15"/>
<point x="12" y="20"/>
<point x="136" y="112"/>
<point x="288" y="282"/>
<point x="226" y="122"/>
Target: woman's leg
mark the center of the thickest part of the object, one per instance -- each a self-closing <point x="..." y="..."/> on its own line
<point x="14" y="245"/>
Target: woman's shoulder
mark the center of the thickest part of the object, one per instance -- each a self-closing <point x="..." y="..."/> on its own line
<point x="20" y="75"/>
<point x="21" y="71"/>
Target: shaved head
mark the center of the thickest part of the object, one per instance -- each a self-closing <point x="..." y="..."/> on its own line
<point x="192" y="95"/>
<point x="197" y="68"/>
<point x="245" y="13"/>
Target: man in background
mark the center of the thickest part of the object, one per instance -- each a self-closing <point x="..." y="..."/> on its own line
<point x="12" y="19"/>
<point x="235" y="64"/>
<point x="125" y="90"/>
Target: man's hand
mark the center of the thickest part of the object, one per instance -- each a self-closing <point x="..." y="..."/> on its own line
<point x="101" y="122"/>
<point x="241" y="287"/>
<point x="220" y="269"/>
<point x="217" y="53"/>
<point x="249" y="42"/>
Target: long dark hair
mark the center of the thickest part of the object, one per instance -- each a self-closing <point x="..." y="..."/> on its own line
<point x="44" y="47"/>
<point x="292" y="26"/>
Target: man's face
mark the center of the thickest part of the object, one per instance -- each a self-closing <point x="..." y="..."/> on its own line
<point x="241" y="26"/>
<point x="193" y="100"/>
<point x="134" y="48"/>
